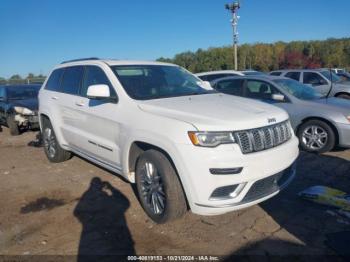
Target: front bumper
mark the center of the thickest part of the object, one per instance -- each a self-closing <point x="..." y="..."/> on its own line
<point x="258" y="169"/>
<point x="27" y="121"/>
<point x="344" y="134"/>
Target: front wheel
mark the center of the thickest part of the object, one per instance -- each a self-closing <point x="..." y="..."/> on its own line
<point x="13" y="126"/>
<point x="316" y="136"/>
<point x="159" y="188"/>
<point x="54" y="152"/>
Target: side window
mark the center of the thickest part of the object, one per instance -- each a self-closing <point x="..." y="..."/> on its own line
<point x="204" y="78"/>
<point x="313" y="79"/>
<point x="72" y="79"/>
<point x="275" y="73"/>
<point x="53" y="83"/>
<point x="231" y="87"/>
<point x="293" y="75"/>
<point x="260" y="90"/>
<point x="95" y="76"/>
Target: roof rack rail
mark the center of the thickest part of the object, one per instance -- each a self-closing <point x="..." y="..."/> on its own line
<point x="80" y="59"/>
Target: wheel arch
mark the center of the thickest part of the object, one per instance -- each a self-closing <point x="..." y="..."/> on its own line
<point x="335" y="130"/>
<point x="342" y="93"/>
<point x="136" y="148"/>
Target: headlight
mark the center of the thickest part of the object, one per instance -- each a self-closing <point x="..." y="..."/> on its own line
<point x="211" y="139"/>
<point x="23" y="110"/>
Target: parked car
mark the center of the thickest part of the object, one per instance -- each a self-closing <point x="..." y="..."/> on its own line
<point x="156" y="126"/>
<point x="321" y="80"/>
<point x="345" y="76"/>
<point x="212" y="75"/>
<point x="320" y="123"/>
<point x="19" y="107"/>
<point x="338" y="70"/>
<point x="252" y="73"/>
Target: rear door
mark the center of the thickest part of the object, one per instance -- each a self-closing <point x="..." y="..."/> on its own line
<point x="97" y="120"/>
<point x="66" y="102"/>
<point x="316" y="81"/>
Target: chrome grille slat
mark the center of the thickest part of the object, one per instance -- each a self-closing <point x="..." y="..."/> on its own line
<point x="255" y="140"/>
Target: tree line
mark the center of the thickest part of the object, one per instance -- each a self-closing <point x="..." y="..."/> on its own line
<point x="267" y="57"/>
<point x="29" y="79"/>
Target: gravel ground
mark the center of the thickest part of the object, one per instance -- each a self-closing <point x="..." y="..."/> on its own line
<point x="62" y="209"/>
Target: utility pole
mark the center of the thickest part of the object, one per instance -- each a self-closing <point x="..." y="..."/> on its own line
<point x="233" y="8"/>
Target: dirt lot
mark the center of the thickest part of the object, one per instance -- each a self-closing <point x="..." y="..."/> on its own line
<point x="61" y="209"/>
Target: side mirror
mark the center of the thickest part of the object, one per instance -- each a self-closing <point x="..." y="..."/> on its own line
<point x="98" y="92"/>
<point x="278" y="97"/>
<point x="323" y="82"/>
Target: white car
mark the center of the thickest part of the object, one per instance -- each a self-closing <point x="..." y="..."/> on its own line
<point x="183" y="145"/>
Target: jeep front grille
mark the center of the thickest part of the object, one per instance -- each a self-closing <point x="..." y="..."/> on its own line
<point x="263" y="138"/>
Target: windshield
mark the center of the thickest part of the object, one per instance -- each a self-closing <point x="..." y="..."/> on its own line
<point x="298" y="89"/>
<point x="334" y="77"/>
<point x="143" y="82"/>
<point x="20" y="93"/>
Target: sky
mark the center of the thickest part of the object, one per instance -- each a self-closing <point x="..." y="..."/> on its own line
<point x="35" y="35"/>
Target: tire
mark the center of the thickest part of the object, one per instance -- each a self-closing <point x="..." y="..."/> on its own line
<point x="344" y="96"/>
<point x="163" y="186"/>
<point x="12" y="125"/>
<point x="54" y="152"/>
<point x="316" y="136"/>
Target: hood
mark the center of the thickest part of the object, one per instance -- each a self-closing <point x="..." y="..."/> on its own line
<point x="31" y="103"/>
<point x="334" y="104"/>
<point x="216" y="112"/>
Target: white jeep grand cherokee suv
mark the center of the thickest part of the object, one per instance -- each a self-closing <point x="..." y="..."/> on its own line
<point x="154" y="124"/>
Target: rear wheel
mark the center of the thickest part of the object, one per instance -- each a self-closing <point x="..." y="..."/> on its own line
<point x="159" y="188"/>
<point x="12" y="125"/>
<point x="54" y="152"/>
<point x="316" y="136"/>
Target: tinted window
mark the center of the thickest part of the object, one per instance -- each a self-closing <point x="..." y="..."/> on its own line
<point x="275" y="73"/>
<point x="204" y="78"/>
<point x="259" y="90"/>
<point x="313" y="79"/>
<point x="22" y="92"/>
<point x="53" y="83"/>
<point x="72" y="79"/>
<point x="95" y="76"/>
<point x="293" y="75"/>
<point x="231" y="87"/>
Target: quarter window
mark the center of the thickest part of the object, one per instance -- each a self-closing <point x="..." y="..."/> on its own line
<point x="72" y="79"/>
<point x="53" y="83"/>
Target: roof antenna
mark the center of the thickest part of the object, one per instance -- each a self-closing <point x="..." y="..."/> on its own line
<point x="331" y="77"/>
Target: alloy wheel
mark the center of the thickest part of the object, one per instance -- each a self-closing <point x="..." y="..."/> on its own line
<point x="314" y="137"/>
<point x="152" y="188"/>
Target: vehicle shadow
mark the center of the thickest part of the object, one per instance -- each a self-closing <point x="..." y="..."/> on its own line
<point x="304" y="223"/>
<point x="105" y="234"/>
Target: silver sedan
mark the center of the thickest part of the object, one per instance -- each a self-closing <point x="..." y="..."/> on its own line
<point x="319" y="122"/>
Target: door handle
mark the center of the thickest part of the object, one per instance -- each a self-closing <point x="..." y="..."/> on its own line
<point x="79" y="103"/>
<point x="54" y="97"/>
